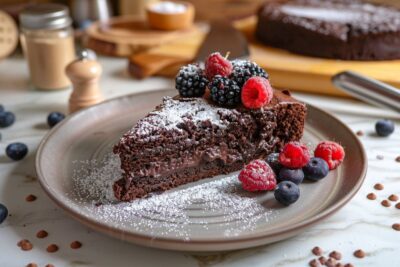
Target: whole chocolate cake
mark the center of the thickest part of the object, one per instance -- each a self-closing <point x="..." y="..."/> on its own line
<point x="338" y="29"/>
<point x="187" y="139"/>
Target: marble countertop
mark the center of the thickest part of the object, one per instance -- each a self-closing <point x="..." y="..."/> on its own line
<point x="362" y="224"/>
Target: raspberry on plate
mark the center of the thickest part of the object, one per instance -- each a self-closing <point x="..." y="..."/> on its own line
<point x="257" y="176"/>
<point x="331" y="152"/>
<point x="256" y="92"/>
<point x="294" y="155"/>
<point x="216" y="64"/>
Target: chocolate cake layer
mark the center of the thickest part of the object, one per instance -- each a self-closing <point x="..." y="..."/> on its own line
<point x="339" y="29"/>
<point x="187" y="139"/>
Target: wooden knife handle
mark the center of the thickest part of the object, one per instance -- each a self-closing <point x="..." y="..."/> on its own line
<point x="144" y="65"/>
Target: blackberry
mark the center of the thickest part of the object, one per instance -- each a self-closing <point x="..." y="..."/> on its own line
<point x="224" y="91"/>
<point x="244" y="70"/>
<point x="191" y="81"/>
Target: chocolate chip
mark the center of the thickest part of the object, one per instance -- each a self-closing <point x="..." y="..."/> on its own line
<point x="313" y="263"/>
<point x="339" y="265"/>
<point x="385" y="203"/>
<point x="331" y="262"/>
<point x="398" y="206"/>
<point x="379" y="186"/>
<point x="30" y="198"/>
<point x="317" y="251"/>
<point x="76" y="245"/>
<point x="52" y="248"/>
<point x="348" y="265"/>
<point x="336" y="255"/>
<point x="49" y="265"/>
<point x="396" y="226"/>
<point x="360" y="133"/>
<point x="397" y="159"/>
<point x="322" y="260"/>
<point x="41" y="234"/>
<point x="393" y="197"/>
<point x="371" y="196"/>
<point x="32" y="265"/>
<point x="25" y="244"/>
<point x="359" y="253"/>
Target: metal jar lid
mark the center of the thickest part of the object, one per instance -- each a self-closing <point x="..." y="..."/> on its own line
<point x="45" y="16"/>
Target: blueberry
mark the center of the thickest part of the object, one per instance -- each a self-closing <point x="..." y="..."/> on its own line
<point x="294" y="175"/>
<point x="16" y="151"/>
<point x="1" y="108"/>
<point x="3" y="213"/>
<point x="384" y="127"/>
<point x="54" y="118"/>
<point x="273" y="161"/>
<point x="6" y="119"/>
<point x="316" y="169"/>
<point x="287" y="193"/>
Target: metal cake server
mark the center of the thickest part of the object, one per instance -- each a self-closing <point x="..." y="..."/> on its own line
<point x="369" y="90"/>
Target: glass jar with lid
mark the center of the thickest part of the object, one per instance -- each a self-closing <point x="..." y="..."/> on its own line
<point x="48" y="43"/>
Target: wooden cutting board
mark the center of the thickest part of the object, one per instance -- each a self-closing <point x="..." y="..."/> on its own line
<point x="287" y="70"/>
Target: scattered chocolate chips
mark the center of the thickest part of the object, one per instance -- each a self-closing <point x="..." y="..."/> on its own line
<point x="25" y="244"/>
<point x="76" y="245"/>
<point x="313" y="263"/>
<point x="339" y="265"/>
<point x="398" y="206"/>
<point x="32" y="265"/>
<point x="49" y="265"/>
<point x="380" y="157"/>
<point x="317" y="251"/>
<point x="397" y="159"/>
<point x="348" y="265"/>
<point x="371" y="196"/>
<point x="52" y="248"/>
<point x="393" y="197"/>
<point x="322" y="260"/>
<point x="378" y="186"/>
<point x="336" y="255"/>
<point x="331" y="262"/>
<point x="41" y="234"/>
<point x="30" y="198"/>
<point x="396" y="226"/>
<point x="359" y="253"/>
<point x="385" y="203"/>
<point x="360" y="133"/>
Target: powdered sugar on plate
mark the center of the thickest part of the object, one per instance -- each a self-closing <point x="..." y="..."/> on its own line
<point x="202" y="205"/>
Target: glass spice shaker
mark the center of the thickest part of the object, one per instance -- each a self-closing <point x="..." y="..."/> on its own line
<point x="48" y="43"/>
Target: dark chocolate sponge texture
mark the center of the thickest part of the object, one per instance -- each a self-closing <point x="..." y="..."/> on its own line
<point x="338" y="29"/>
<point x="187" y="139"/>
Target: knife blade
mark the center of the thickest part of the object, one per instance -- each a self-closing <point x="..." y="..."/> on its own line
<point x="223" y="38"/>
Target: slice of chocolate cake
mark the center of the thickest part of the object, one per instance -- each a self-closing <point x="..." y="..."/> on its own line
<point x="339" y="29"/>
<point x="187" y="139"/>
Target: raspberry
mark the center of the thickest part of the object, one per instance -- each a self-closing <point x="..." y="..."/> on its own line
<point x="331" y="152"/>
<point x="217" y="65"/>
<point x="257" y="176"/>
<point x="224" y="91"/>
<point x="294" y="155"/>
<point x="256" y="92"/>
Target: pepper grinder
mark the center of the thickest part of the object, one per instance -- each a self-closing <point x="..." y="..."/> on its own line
<point x="84" y="74"/>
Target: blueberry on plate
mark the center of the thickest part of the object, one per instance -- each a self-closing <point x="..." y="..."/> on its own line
<point x="16" y="151"/>
<point x="316" y="169"/>
<point x="287" y="193"/>
<point x="384" y="127"/>
<point x="6" y="119"/>
<point x="273" y="161"/>
<point x="54" y="118"/>
<point x="294" y="175"/>
<point x="3" y="213"/>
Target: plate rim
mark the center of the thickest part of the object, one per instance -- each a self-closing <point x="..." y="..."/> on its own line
<point x="181" y="244"/>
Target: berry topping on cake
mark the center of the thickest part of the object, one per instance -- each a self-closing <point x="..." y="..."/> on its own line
<point x="294" y="155"/>
<point x="224" y="91"/>
<point x="191" y="81"/>
<point x="244" y="70"/>
<point x="294" y="175"/>
<point x="384" y="127"/>
<point x="216" y="64"/>
<point x="287" y="193"/>
<point x="316" y="169"/>
<point x="256" y="92"/>
<point x="331" y="152"/>
<point x="257" y="176"/>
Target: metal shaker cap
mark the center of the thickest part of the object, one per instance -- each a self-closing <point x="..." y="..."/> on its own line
<point x="45" y="16"/>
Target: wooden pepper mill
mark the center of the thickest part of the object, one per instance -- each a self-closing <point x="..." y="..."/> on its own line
<point x="84" y="74"/>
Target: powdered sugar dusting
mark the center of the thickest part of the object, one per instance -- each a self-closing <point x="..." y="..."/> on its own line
<point x="181" y="212"/>
<point x="175" y="112"/>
